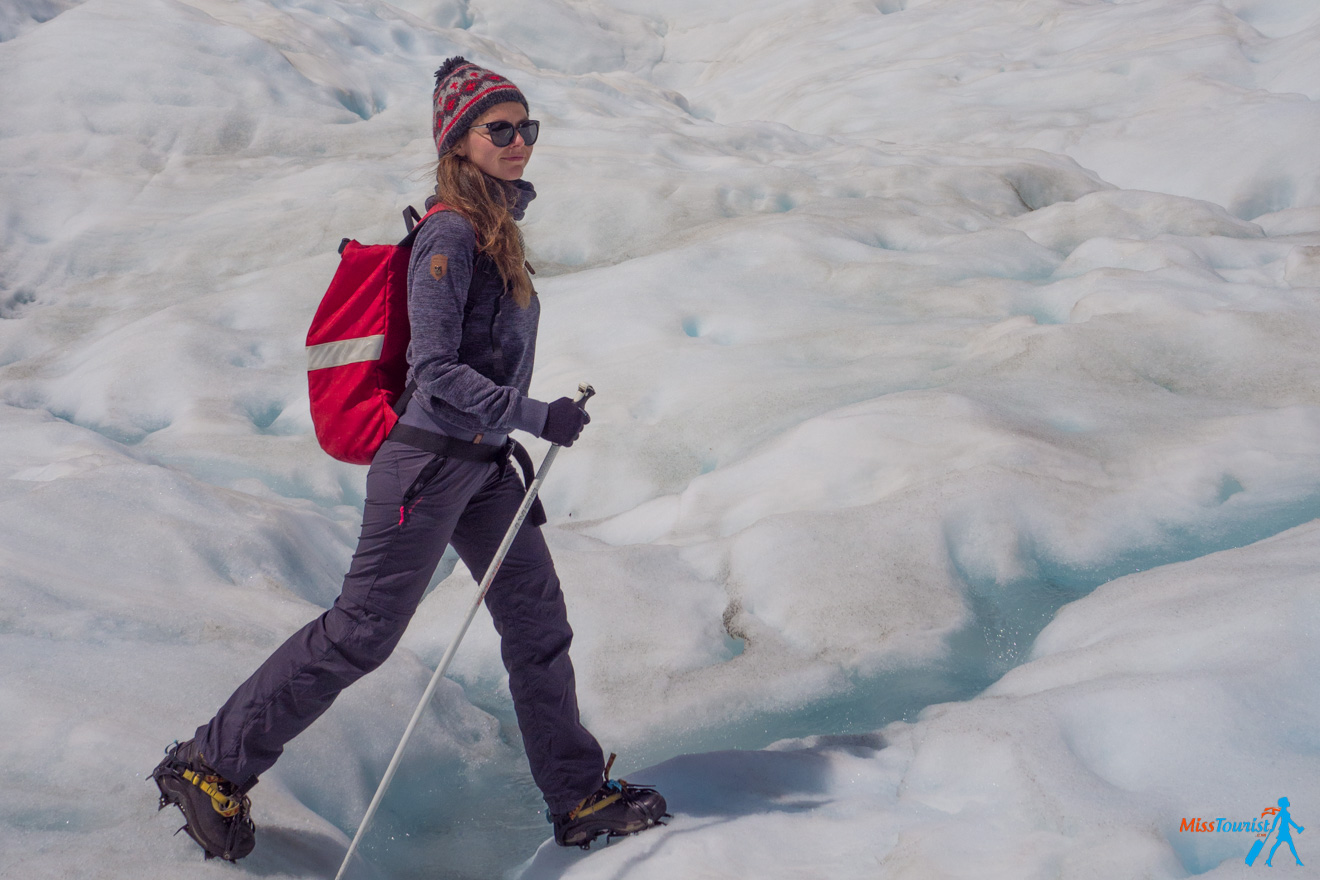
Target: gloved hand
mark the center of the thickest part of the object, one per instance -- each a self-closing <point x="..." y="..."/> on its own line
<point x="564" y="421"/>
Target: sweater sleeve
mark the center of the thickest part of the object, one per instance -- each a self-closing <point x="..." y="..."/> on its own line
<point x="439" y="273"/>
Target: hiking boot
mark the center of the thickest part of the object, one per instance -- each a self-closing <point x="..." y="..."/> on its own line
<point x="215" y="813"/>
<point x="617" y="809"/>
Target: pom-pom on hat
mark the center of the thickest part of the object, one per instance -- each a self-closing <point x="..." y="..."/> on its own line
<point x="464" y="91"/>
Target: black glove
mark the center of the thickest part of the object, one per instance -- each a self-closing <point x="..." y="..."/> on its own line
<point x="564" y="421"/>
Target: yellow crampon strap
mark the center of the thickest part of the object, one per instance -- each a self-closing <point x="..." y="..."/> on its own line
<point x="598" y="805"/>
<point x="224" y="804"/>
<point x="583" y="810"/>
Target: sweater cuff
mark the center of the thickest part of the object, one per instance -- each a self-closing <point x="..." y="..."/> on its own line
<point x="531" y="415"/>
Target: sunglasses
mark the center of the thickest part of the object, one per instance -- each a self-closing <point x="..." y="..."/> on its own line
<point x="501" y="133"/>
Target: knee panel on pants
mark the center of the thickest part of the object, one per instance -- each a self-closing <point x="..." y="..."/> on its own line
<point x="364" y="637"/>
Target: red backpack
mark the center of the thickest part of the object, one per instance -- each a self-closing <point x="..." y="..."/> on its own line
<point x="357" y="346"/>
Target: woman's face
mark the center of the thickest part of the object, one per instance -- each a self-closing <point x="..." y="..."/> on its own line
<point x="503" y="163"/>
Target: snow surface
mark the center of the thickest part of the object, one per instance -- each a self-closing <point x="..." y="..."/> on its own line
<point x="948" y="504"/>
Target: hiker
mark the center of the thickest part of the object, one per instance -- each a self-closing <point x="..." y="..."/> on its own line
<point x="440" y="478"/>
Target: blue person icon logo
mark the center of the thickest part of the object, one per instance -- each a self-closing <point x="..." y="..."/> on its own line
<point x="1281" y="827"/>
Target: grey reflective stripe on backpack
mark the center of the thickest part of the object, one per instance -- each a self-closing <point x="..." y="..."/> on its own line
<point x="345" y="351"/>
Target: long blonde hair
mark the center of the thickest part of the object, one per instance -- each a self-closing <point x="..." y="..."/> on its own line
<point x="486" y="203"/>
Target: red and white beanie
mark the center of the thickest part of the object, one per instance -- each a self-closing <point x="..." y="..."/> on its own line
<point x="464" y="91"/>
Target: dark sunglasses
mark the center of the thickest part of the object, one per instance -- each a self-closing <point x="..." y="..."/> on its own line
<point x="501" y="133"/>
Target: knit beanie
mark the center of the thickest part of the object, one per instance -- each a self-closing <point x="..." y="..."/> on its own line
<point x="464" y="91"/>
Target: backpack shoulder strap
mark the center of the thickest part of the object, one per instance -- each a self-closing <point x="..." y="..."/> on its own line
<point x="414" y="223"/>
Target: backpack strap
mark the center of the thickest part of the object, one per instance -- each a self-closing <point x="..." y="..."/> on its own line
<point x="410" y="217"/>
<point x="445" y="446"/>
<point x="414" y="223"/>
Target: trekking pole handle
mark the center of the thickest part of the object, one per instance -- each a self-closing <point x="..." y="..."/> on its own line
<point x="585" y="393"/>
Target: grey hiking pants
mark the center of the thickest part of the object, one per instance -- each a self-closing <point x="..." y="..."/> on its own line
<point x="416" y="504"/>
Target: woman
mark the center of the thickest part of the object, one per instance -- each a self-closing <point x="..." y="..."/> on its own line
<point x="441" y="478"/>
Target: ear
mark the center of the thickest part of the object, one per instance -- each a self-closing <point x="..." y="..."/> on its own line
<point x="460" y="148"/>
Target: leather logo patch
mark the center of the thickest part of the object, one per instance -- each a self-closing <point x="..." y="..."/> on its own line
<point x="439" y="266"/>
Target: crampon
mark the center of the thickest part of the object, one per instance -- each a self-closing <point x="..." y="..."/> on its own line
<point x="616" y="809"/>
<point x="215" y="814"/>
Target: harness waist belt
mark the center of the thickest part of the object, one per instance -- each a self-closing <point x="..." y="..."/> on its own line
<point x="451" y="447"/>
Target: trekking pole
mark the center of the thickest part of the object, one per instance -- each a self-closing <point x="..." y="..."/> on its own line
<point x="585" y="393"/>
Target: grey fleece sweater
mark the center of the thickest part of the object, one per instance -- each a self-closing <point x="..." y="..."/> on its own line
<point x="471" y="352"/>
